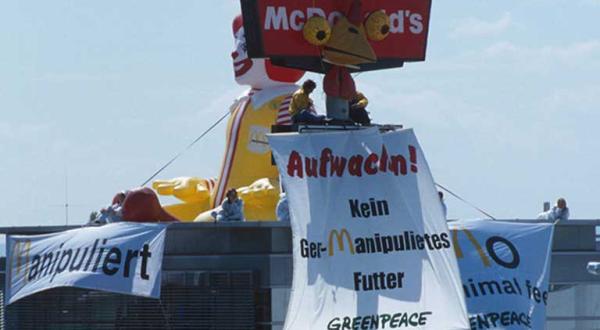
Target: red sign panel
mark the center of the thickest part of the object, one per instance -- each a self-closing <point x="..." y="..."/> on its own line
<point x="274" y="29"/>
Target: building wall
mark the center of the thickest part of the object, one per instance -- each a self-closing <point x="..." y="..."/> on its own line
<point x="213" y="269"/>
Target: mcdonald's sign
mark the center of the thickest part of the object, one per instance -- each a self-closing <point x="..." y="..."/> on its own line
<point x="339" y="236"/>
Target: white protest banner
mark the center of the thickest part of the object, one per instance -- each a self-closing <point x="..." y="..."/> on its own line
<point x="121" y="257"/>
<point x="505" y="269"/>
<point x="371" y="247"/>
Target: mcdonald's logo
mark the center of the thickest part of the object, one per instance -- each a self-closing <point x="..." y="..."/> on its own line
<point x="19" y="259"/>
<point x="458" y="251"/>
<point x="489" y="246"/>
<point x="339" y="236"/>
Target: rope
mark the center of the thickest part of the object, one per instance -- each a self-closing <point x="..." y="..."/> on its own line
<point x="185" y="149"/>
<point x="465" y="201"/>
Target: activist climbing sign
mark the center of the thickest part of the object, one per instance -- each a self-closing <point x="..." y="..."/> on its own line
<point x="505" y="269"/>
<point x="371" y="246"/>
<point x="122" y="257"/>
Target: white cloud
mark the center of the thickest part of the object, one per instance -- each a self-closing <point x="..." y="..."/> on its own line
<point x="17" y="132"/>
<point x="591" y="2"/>
<point x="584" y="52"/>
<point x="581" y="100"/>
<point x="68" y="77"/>
<point x="219" y="102"/>
<point x="475" y="27"/>
<point x="572" y="51"/>
<point x="433" y="109"/>
<point x="512" y="58"/>
<point x="502" y="48"/>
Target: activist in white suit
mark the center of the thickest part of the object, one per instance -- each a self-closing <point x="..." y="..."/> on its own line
<point x="558" y="212"/>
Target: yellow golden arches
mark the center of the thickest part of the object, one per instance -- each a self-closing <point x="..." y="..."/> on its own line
<point x="343" y="233"/>
<point x="458" y="251"/>
<point x="20" y="257"/>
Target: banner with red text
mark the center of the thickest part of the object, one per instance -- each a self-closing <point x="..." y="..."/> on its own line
<point x="371" y="246"/>
<point x="505" y="269"/>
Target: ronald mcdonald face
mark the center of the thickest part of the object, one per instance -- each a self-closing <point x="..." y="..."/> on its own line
<point x="246" y="164"/>
<point x="257" y="73"/>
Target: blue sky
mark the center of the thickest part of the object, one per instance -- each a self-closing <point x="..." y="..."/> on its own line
<point x="105" y="92"/>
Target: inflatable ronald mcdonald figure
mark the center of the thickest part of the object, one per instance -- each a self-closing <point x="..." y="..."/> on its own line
<point x="246" y="162"/>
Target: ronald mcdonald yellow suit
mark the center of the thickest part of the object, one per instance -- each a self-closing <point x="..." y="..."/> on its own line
<point x="246" y="164"/>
